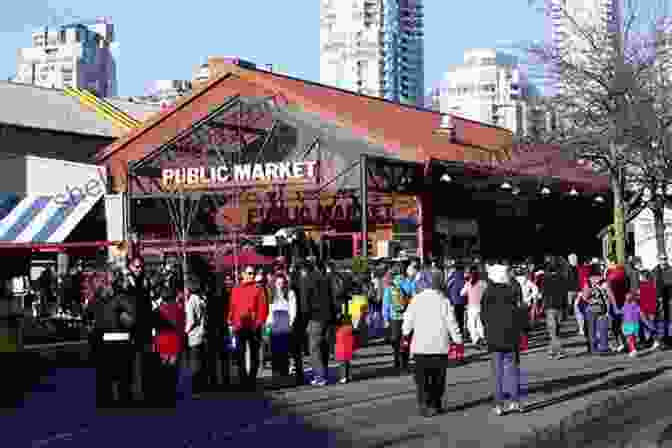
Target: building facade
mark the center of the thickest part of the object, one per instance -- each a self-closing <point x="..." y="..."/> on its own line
<point x="374" y="47"/>
<point x="488" y="87"/>
<point x="75" y="55"/>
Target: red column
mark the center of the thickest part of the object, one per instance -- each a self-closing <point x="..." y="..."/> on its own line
<point x="425" y="225"/>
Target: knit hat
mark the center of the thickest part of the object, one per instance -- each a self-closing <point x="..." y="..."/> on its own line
<point x="498" y="273"/>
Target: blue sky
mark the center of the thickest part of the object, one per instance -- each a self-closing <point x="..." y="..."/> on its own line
<point x="166" y="40"/>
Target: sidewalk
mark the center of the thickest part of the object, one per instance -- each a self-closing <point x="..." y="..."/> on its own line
<point x="377" y="409"/>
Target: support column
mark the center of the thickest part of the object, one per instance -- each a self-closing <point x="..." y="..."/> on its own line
<point x="425" y="225"/>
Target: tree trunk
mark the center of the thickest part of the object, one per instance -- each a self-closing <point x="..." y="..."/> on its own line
<point x="658" y="210"/>
<point x="619" y="221"/>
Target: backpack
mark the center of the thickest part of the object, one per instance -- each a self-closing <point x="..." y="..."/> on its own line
<point x="597" y="302"/>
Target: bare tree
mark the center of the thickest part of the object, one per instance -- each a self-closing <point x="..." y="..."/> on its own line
<point x="650" y="157"/>
<point x="594" y="69"/>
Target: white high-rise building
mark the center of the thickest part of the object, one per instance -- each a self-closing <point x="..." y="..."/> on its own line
<point x="373" y="47"/>
<point x="488" y="87"/>
<point x="75" y="55"/>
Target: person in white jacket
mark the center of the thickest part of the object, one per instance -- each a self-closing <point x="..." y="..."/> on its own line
<point x="281" y="315"/>
<point x="431" y="319"/>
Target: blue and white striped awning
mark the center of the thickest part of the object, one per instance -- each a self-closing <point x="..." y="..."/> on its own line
<point x="41" y="219"/>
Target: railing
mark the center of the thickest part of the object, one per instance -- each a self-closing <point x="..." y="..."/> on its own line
<point x="104" y="108"/>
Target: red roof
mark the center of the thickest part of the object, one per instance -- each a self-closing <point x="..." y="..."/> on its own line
<point x="406" y="132"/>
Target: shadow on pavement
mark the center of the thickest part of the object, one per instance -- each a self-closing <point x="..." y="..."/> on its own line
<point x="626" y="381"/>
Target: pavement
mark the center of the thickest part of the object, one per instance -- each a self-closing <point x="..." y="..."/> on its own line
<point x="378" y="409"/>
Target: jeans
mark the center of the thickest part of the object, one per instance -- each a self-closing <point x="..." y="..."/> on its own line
<point x="400" y="358"/>
<point x="590" y="330"/>
<point x="580" y="316"/>
<point x="500" y="376"/>
<point x="298" y="344"/>
<point x="249" y="342"/>
<point x="319" y="352"/>
<point x="430" y="378"/>
<point x="114" y="367"/>
<point x="571" y="299"/>
<point x="553" y="327"/>
<point x="459" y="316"/>
<point x="196" y="358"/>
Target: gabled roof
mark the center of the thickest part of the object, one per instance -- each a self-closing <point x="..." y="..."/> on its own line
<point x="406" y="131"/>
<point x="50" y="109"/>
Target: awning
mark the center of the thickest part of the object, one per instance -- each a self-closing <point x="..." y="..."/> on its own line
<point x="42" y="219"/>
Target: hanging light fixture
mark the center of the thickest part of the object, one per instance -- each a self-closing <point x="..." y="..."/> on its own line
<point x="573" y="192"/>
<point x="599" y="199"/>
<point x="446" y="178"/>
<point x="545" y="191"/>
<point x="506" y="186"/>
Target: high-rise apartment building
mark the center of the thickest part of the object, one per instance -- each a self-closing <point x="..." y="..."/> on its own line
<point x="74" y="55"/>
<point x="487" y="87"/>
<point x="374" y="47"/>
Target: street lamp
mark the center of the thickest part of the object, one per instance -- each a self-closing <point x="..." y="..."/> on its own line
<point x="545" y="191"/>
<point x="599" y="199"/>
<point x="506" y="186"/>
<point x="446" y="178"/>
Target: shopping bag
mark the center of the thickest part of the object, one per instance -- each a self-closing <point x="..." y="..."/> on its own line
<point x="524" y="343"/>
<point x="345" y="343"/>
<point x="231" y="341"/>
<point x="456" y="352"/>
<point x="405" y="345"/>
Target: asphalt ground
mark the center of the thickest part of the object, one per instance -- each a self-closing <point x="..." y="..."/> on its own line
<point x="378" y="409"/>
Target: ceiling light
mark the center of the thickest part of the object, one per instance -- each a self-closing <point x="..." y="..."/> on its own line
<point x="545" y="191"/>
<point x="506" y="186"/>
<point x="516" y="191"/>
<point x="446" y="178"/>
<point x="573" y="192"/>
<point x="599" y="199"/>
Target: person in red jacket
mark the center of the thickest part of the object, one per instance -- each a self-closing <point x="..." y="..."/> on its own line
<point x="169" y="341"/>
<point x="248" y="311"/>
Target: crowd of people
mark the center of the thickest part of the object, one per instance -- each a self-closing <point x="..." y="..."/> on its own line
<point x="150" y="327"/>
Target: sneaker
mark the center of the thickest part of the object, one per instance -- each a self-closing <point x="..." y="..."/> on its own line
<point x="656" y="345"/>
<point x="633" y="354"/>
<point x="514" y="406"/>
<point x="499" y="410"/>
<point x="343" y="380"/>
<point x="318" y="382"/>
<point x="620" y="348"/>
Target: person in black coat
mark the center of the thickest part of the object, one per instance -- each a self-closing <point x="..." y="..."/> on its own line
<point x="216" y="307"/>
<point x="115" y="317"/>
<point x="317" y="309"/>
<point x="502" y="320"/>
<point x="555" y="300"/>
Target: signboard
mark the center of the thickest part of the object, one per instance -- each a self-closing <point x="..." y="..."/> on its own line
<point x="243" y="173"/>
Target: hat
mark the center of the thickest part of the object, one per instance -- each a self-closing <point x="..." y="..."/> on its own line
<point x="498" y="273"/>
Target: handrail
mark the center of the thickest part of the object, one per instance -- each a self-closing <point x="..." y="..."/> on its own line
<point x="105" y="109"/>
<point x="114" y="111"/>
<point x="86" y="102"/>
<point x="121" y="117"/>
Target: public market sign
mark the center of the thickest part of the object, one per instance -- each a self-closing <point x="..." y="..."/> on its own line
<point x="222" y="174"/>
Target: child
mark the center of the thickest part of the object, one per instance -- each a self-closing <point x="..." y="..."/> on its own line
<point x="631" y="316"/>
<point x="344" y="348"/>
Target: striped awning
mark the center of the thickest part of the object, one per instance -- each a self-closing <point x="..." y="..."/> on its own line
<point x="42" y="219"/>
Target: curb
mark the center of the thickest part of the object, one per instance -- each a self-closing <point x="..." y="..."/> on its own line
<point x="580" y="426"/>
